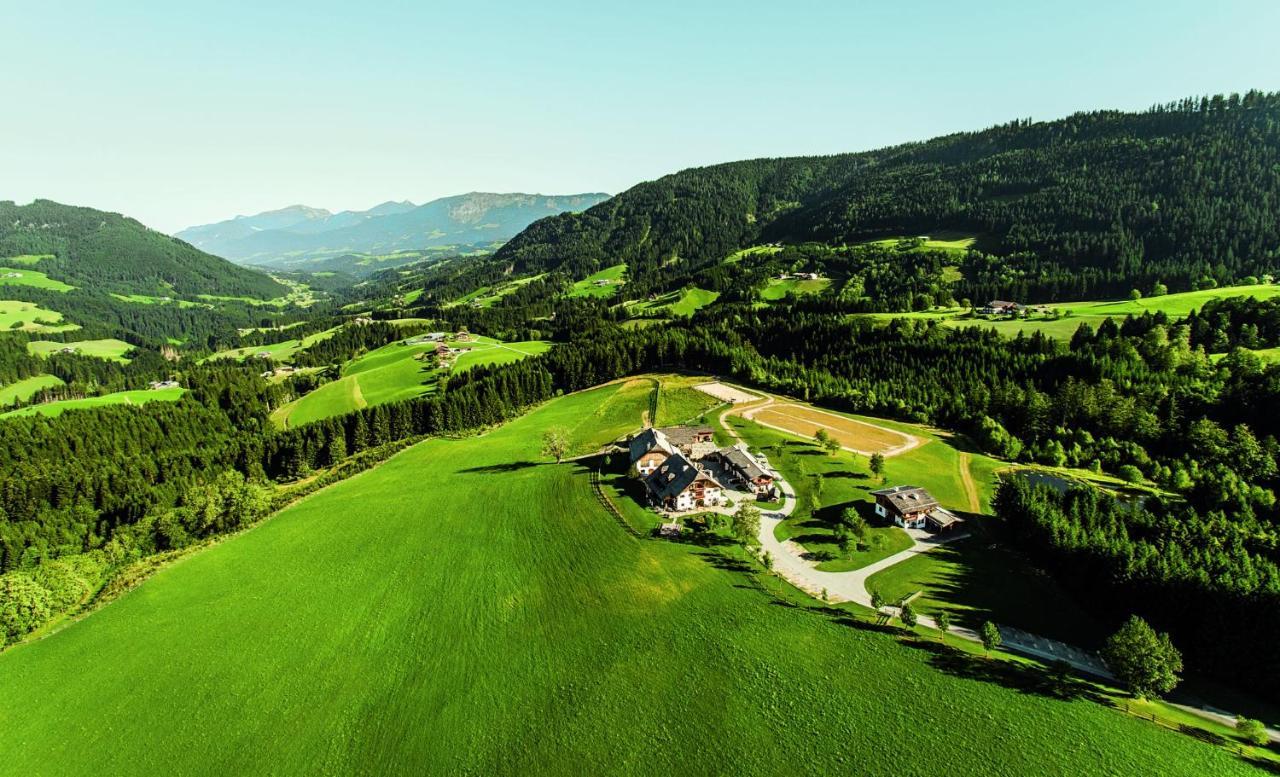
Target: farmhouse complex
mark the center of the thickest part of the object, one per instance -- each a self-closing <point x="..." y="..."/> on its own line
<point x="677" y="463"/>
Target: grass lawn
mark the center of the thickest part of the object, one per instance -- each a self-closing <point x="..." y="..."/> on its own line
<point x="679" y="403"/>
<point x="30" y="317"/>
<point x="467" y="608"/>
<point x="977" y="580"/>
<point x="847" y="482"/>
<point x="393" y="373"/>
<point x="111" y="349"/>
<point x="27" y="388"/>
<point x="136" y="397"/>
<point x="680" y="304"/>
<point x="29" y="277"/>
<point x="612" y="279"/>
<point x="777" y="289"/>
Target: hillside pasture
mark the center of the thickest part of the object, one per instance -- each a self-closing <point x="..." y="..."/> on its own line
<point x="602" y="285"/>
<point x="779" y="289"/>
<point x="468" y="608"/>
<point x="30" y="317"/>
<point x="25" y="260"/>
<point x="282" y="351"/>
<point x="25" y="389"/>
<point x="396" y="372"/>
<point x="110" y="348"/>
<point x="678" y="304"/>
<point x="24" y="276"/>
<point x="134" y="397"/>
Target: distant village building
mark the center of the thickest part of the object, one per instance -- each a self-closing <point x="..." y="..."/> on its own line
<point x="68" y="349"/>
<point x="912" y="507"/>
<point x="362" y="320"/>
<point x="262" y="355"/>
<point x="1002" y="307"/>
<point x="463" y="335"/>
<point x="163" y="384"/>
<point x="648" y="450"/>
<point x="13" y="275"/>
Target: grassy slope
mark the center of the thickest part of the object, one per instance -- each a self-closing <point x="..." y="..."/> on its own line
<point x="119" y="398"/>
<point x="681" y="303"/>
<point x="588" y="288"/>
<point x="31" y="278"/>
<point x="776" y="289"/>
<point x="506" y="625"/>
<point x="1093" y="312"/>
<point x="24" y="314"/>
<point x="391" y="373"/>
<point x="111" y="349"/>
<point x="27" y="388"/>
<point x="282" y="351"/>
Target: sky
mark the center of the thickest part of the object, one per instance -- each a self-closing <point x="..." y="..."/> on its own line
<point x="182" y="113"/>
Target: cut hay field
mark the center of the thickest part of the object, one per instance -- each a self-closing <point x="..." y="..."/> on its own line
<point x="136" y="397"/>
<point x="30" y="317"/>
<point x="859" y="436"/>
<point x="467" y="608"/>
<point x="110" y="349"/>
<point x="26" y="388"/>
<point x="28" y="277"/>
<point x="602" y="285"/>
<point x="395" y="372"/>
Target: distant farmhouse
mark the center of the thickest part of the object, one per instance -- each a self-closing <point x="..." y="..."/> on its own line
<point x="676" y="464"/>
<point x="162" y="384"/>
<point x="912" y="507"/>
<point x="1002" y="307"/>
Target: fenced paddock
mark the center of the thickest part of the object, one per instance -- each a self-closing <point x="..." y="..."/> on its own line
<point x="852" y="434"/>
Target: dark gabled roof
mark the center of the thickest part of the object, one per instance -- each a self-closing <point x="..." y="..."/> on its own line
<point x="674" y="475"/>
<point x="907" y="499"/>
<point x="743" y="462"/>
<point x="683" y="436"/>
<point x="1002" y="303"/>
<point x="646" y="441"/>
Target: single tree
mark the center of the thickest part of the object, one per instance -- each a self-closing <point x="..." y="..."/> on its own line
<point x="877" y="465"/>
<point x="1145" y="661"/>
<point x="814" y="502"/>
<point x="766" y="559"/>
<point x="990" y="636"/>
<point x="1135" y="295"/>
<point x="877" y="601"/>
<point x="832" y="445"/>
<point x="943" y="619"/>
<point x="821" y="438"/>
<point x="908" y="615"/>
<point x="825" y="595"/>
<point x="1252" y="731"/>
<point x="555" y="443"/>
<point x="746" y="524"/>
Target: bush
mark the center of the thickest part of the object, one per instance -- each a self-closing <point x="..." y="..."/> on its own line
<point x="24" y="605"/>
<point x="1130" y="474"/>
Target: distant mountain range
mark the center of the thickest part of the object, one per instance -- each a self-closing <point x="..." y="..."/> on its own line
<point x="302" y="238"/>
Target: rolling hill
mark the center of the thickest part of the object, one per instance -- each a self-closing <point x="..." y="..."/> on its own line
<point x="107" y="252"/>
<point x="1088" y="206"/>
<point x="298" y="236"/>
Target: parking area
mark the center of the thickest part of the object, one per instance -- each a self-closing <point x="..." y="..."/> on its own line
<point x="1052" y="650"/>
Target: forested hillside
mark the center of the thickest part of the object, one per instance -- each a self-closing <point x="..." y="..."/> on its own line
<point x="109" y="252"/>
<point x="1095" y="204"/>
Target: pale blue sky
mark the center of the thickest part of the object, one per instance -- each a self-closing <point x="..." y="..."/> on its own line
<point x="185" y="112"/>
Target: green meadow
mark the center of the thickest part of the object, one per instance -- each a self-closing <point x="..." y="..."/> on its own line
<point x="14" y="276"/>
<point x="957" y="242"/>
<point x="487" y="296"/>
<point x="111" y="349"/>
<point x="779" y="289"/>
<point x="27" y="388"/>
<point x="603" y="285"/>
<point x="282" y="351"/>
<point x="679" y="304"/>
<point x="395" y="372"/>
<point x="25" y="260"/>
<point x="31" y="317"/>
<point x="135" y="397"/>
<point x="468" y="608"/>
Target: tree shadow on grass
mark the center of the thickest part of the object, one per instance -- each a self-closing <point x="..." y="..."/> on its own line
<point x="1055" y="682"/>
<point x="508" y="466"/>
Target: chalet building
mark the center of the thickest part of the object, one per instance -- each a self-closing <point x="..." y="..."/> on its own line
<point x="745" y="470"/>
<point x="696" y="442"/>
<point x="678" y="484"/>
<point x="163" y="384"/>
<point x="912" y="507"/>
<point x="648" y="450"/>
<point x="1002" y="307"/>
